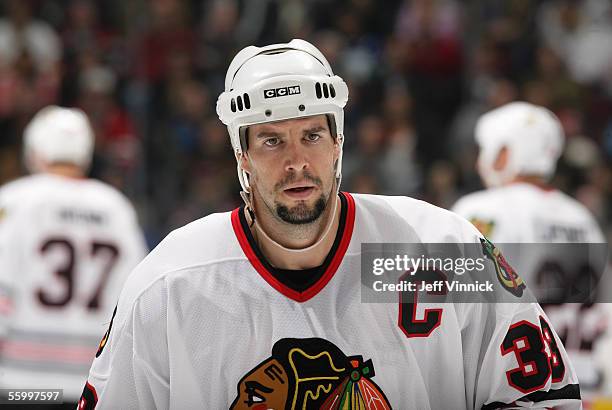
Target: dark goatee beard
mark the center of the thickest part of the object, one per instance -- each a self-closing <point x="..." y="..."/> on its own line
<point x="301" y="214"/>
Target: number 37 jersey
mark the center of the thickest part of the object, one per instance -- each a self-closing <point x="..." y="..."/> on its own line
<point x="66" y="247"/>
<point x="204" y="323"/>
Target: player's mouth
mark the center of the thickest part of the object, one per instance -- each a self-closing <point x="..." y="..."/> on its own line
<point x="299" y="191"/>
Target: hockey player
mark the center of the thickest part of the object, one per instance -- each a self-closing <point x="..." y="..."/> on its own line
<point x="520" y="144"/>
<point x="67" y="244"/>
<point x="260" y="308"/>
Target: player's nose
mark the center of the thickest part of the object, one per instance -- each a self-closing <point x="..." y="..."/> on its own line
<point x="296" y="158"/>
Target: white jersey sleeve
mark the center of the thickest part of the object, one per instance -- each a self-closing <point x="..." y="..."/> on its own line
<point x="512" y="356"/>
<point x="130" y="364"/>
<point x="528" y="214"/>
<point x="132" y="358"/>
<point x="521" y="362"/>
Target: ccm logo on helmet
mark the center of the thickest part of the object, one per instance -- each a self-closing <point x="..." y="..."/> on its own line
<point x="282" y="91"/>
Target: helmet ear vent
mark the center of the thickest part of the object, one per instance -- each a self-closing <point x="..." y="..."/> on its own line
<point x="325" y="90"/>
<point x="233" y="105"/>
<point x="239" y="101"/>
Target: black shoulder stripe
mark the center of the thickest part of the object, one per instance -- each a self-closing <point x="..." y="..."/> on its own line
<point x="569" y="392"/>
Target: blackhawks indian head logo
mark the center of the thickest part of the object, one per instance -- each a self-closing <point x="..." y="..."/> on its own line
<point x="304" y="374"/>
<point x="507" y="276"/>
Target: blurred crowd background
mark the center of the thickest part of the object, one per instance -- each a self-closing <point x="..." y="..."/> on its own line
<point x="420" y="72"/>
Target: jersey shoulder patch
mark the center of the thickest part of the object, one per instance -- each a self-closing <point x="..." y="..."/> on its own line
<point x="507" y="276"/>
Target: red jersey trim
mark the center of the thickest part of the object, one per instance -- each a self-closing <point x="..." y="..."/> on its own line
<point x="329" y="272"/>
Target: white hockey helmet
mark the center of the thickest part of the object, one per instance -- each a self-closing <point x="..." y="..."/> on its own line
<point x="532" y="134"/>
<point x="57" y="134"/>
<point x="280" y="82"/>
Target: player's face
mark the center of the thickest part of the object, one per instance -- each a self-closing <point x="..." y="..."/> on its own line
<point x="266" y="387"/>
<point x="291" y="167"/>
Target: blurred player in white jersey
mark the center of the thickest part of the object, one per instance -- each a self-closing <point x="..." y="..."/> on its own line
<point x="67" y="244"/>
<point x="520" y="144"/>
<point x="260" y="308"/>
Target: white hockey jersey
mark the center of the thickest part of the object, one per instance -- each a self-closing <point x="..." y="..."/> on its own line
<point x="203" y="323"/>
<point x="66" y="248"/>
<point x="526" y="213"/>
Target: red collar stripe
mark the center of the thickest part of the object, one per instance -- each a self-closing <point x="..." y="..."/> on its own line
<point x="329" y="272"/>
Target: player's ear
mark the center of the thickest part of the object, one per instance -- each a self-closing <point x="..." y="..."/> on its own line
<point x="338" y="139"/>
<point x="244" y="157"/>
<point x="245" y="164"/>
<point x="502" y="159"/>
<point x="336" y="150"/>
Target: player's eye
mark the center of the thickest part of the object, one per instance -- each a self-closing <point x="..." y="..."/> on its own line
<point x="271" y="142"/>
<point x="313" y="137"/>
